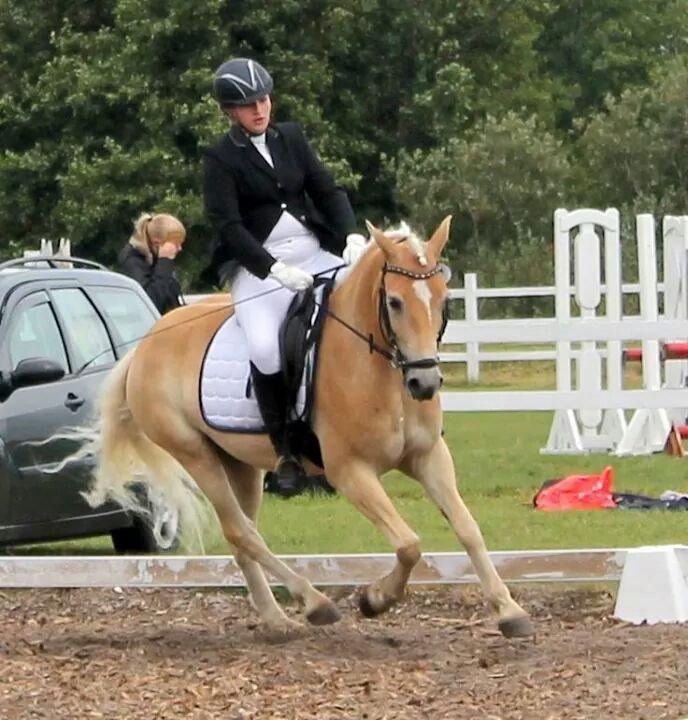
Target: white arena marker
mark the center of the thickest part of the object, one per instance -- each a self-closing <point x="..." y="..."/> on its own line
<point x="653" y="587"/>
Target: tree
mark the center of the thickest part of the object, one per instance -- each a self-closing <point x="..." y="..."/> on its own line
<point x="632" y="154"/>
<point x="599" y="49"/>
<point x="113" y="124"/>
<point x="503" y="179"/>
<point x="106" y="105"/>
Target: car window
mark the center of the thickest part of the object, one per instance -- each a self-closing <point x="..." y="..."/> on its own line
<point x="35" y="333"/>
<point x="128" y="313"/>
<point x="84" y="327"/>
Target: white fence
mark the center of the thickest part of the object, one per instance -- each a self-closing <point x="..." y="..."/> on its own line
<point x="588" y="331"/>
<point x="589" y="400"/>
<point x="474" y="355"/>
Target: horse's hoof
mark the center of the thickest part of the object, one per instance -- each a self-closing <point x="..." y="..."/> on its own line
<point x="517" y="627"/>
<point x="324" y="615"/>
<point x="366" y="607"/>
<point x="276" y="634"/>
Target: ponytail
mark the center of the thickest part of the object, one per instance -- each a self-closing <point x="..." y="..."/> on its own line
<point x="140" y="238"/>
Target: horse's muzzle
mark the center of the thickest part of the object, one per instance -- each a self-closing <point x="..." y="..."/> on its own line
<point x="424" y="384"/>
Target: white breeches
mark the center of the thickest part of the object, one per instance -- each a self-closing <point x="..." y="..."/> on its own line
<point x="261" y="317"/>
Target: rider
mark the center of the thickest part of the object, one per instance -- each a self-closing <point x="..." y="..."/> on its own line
<point x="149" y="256"/>
<point x="279" y="217"/>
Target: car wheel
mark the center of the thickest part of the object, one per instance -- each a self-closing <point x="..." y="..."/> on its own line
<point x="159" y="532"/>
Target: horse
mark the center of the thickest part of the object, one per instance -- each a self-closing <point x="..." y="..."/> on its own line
<point x="376" y="408"/>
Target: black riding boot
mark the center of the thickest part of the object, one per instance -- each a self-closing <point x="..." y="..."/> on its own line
<point x="271" y="394"/>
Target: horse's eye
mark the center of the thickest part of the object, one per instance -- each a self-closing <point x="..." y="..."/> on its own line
<point x="395" y="303"/>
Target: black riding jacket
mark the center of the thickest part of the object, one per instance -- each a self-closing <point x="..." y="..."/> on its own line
<point x="158" y="279"/>
<point x="245" y="197"/>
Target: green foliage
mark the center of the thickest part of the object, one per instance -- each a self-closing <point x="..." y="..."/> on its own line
<point x="421" y="109"/>
<point x="502" y="179"/>
<point x="633" y="154"/>
<point x="117" y="122"/>
<point x="599" y="49"/>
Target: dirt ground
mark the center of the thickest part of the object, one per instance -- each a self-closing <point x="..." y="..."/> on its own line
<point x="133" y="654"/>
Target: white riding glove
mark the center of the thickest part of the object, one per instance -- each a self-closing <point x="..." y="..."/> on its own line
<point x="356" y="245"/>
<point x="290" y="277"/>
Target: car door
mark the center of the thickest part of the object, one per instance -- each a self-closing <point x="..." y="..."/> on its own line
<point x="33" y="415"/>
<point x="128" y="315"/>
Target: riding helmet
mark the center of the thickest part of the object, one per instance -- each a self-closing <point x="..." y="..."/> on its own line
<point x="241" y="81"/>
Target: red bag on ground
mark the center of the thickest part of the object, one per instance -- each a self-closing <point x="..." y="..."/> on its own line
<point x="577" y="492"/>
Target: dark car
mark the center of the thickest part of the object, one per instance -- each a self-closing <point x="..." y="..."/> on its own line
<point x="61" y="331"/>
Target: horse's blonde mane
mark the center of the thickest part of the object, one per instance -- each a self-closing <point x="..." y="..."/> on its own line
<point x="404" y="232"/>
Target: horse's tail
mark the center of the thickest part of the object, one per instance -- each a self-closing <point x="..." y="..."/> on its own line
<point x="128" y="461"/>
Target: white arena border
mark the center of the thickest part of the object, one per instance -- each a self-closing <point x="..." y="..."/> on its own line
<point x="440" y="568"/>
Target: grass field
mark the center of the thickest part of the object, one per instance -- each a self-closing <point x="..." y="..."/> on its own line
<point x="499" y="469"/>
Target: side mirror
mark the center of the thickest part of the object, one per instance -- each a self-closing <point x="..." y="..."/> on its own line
<point x="31" y="371"/>
<point x="5" y="385"/>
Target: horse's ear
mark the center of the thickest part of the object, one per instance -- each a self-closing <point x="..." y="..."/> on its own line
<point x="386" y="244"/>
<point x="440" y="237"/>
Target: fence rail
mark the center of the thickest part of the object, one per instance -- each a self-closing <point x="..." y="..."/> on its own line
<point x="459" y="330"/>
<point x="527" y="566"/>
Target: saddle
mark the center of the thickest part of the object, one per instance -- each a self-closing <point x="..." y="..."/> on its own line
<point x="225" y="392"/>
<point x="299" y="343"/>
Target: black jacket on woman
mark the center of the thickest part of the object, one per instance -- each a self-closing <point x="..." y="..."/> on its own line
<point x="245" y="197"/>
<point x="155" y="275"/>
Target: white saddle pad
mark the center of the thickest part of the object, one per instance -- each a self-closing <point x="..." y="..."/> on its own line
<point x="225" y="380"/>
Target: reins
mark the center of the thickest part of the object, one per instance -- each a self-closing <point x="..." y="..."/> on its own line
<point x="219" y="308"/>
<point x="395" y="356"/>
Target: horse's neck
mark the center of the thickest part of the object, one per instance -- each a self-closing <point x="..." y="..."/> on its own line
<point x="361" y="385"/>
<point x="355" y="302"/>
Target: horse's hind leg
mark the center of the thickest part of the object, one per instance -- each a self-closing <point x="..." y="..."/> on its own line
<point x="247" y="484"/>
<point x="435" y="471"/>
<point x="361" y="486"/>
<point x="200" y="459"/>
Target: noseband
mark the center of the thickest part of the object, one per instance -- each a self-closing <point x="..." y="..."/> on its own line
<point x="397" y="357"/>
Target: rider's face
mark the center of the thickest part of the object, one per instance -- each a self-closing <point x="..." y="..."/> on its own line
<point x="254" y="118"/>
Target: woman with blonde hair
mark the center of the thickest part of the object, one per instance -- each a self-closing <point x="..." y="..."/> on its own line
<point x="149" y="256"/>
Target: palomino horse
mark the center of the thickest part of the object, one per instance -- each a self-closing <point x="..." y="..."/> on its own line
<point x="377" y="408"/>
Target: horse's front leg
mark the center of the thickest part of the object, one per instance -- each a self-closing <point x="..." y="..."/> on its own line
<point x="435" y="471"/>
<point x="359" y="484"/>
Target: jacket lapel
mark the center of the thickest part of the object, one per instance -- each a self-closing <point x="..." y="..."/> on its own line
<point x="241" y="139"/>
<point x="277" y="149"/>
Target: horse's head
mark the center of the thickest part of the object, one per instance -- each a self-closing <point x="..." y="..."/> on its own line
<point x="412" y="303"/>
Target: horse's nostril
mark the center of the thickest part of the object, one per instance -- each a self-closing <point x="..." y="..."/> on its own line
<point x="414" y="384"/>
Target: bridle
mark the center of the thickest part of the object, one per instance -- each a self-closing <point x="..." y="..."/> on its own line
<point x="397" y="356"/>
<point x="394" y="354"/>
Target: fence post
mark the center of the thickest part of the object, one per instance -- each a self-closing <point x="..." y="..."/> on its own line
<point x="649" y="429"/>
<point x="614" y="422"/>
<point x="586" y="430"/>
<point x="675" y="236"/>
<point x="470" y="284"/>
